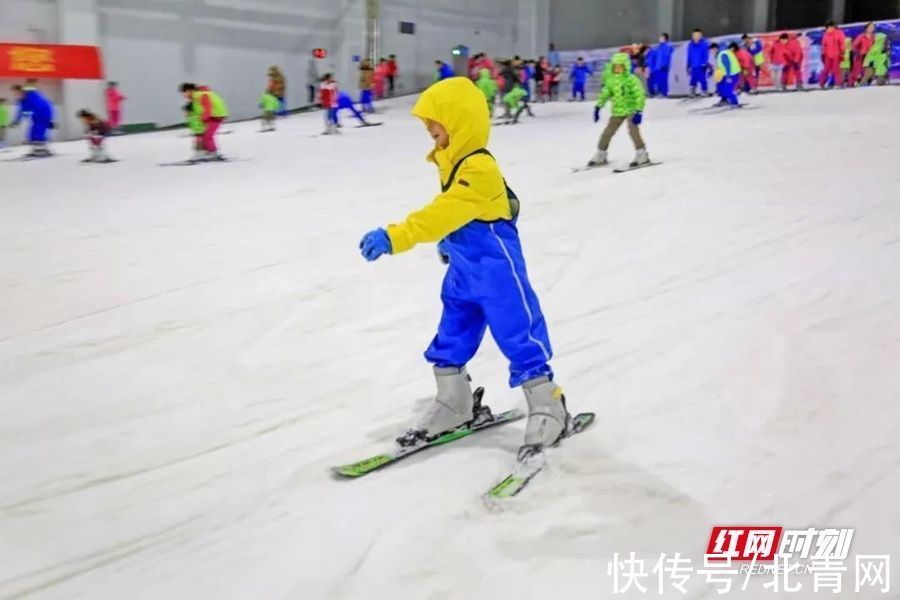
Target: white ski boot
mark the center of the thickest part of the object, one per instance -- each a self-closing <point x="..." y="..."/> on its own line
<point x="641" y="158"/>
<point x="453" y="406"/>
<point x="547" y="415"/>
<point x="599" y="159"/>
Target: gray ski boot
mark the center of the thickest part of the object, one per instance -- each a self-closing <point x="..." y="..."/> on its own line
<point x="454" y="405"/>
<point x="547" y="415"/>
<point x="641" y="158"/>
<point x="599" y="159"/>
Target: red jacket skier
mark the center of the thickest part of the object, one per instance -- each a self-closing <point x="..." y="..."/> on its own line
<point x="795" y="61"/>
<point x="748" y="81"/>
<point x="833" y="45"/>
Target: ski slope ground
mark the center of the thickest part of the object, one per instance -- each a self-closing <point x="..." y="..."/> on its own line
<point x="184" y="352"/>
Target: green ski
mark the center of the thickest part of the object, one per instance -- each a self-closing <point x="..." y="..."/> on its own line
<point x="530" y="465"/>
<point x="367" y="465"/>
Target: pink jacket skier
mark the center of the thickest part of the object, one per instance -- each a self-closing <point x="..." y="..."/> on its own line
<point x="114" y="100"/>
<point x="378" y="78"/>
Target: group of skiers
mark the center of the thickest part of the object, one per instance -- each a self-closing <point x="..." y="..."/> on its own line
<point x="849" y="62"/>
<point x="39" y="109"/>
<point x="846" y="62"/>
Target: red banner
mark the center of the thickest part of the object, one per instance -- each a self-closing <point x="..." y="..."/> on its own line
<point x="42" y="61"/>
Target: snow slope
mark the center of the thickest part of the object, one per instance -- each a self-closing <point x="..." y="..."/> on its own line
<point x="185" y="351"/>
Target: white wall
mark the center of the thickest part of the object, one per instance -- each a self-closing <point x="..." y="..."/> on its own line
<point x="28" y="21"/>
<point x="497" y="27"/>
<point x="150" y="47"/>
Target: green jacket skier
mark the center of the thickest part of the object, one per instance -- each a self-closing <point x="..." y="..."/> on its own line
<point x="625" y="91"/>
<point x="488" y="87"/>
<point x="622" y="87"/>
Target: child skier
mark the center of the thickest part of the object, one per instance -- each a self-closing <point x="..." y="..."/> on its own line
<point x="4" y="122"/>
<point x="96" y="130"/>
<point x="660" y="65"/>
<point x="795" y="62"/>
<point x="698" y="62"/>
<point x="486" y="285"/>
<point x="547" y="82"/>
<point x="366" y="82"/>
<point x="114" y="99"/>
<point x="779" y="59"/>
<point x="579" y="76"/>
<point x="516" y="102"/>
<point x="345" y="102"/>
<point x="277" y="88"/>
<point x="755" y="47"/>
<point x="626" y="91"/>
<point x="270" y="105"/>
<point x="196" y="127"/>
<point x="442" y="71"/>
<point x="378" y="78"/>
<point x="877" y="61"/>
<point x="557" y="74"/>
<point x="212" y="111"/>
<point x="727" y="72"/>
<point x="747" y="77"/>
<point x="833" y="48"/>
<point x="861" y="46"/>
<point x="328" y="100"/>
<point x="488" y="87"/>
<point x="40" y="110"/>
<point x="847" y="61"/>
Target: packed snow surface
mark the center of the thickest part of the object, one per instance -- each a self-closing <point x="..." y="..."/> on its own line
<point x="185" y="351"/>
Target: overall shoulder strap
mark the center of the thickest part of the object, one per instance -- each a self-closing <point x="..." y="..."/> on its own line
<point x="446" y="186"/>
<point x="513" y="199"/>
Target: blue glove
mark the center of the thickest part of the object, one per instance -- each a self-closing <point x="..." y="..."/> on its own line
<point x="374" y="244"/>
<point x="596" y="114"/>
<point x="637" y="118"/>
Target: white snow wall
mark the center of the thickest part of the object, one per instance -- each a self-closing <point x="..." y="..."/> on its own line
<point x="151" y="47"/>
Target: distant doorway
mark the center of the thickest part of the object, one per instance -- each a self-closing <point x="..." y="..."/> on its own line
<point x="798" y="14"/>
<point x="871" y="10"/>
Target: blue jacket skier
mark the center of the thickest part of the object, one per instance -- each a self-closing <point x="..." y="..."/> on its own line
<point x="345" y="102"/>
<point x="486" y="285"/>
<point x="39" y="109"/>
<point x="579" y="76"/>
<point x="698" y="61"/>
<point x="660" y="62"/>
<point x="442" y="71"/>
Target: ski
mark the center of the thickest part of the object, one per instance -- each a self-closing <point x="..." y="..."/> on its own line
<point x="398" y="453"/>
<point x="530" y="465"/>
<point x="588" y="168"/>
<point x="191" y="163"/>
<point x="370" y="124"/>
<point x="28" y="157"/>
<point x="637" y="168"/>
<point x="717" y="108"/>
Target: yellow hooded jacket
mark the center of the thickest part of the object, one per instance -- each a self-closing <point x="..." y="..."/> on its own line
<point x="478" y="191"/>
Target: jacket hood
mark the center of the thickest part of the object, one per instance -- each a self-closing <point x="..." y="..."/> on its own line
<point x="459" y="106"/>
<point x="620" y="58"/>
